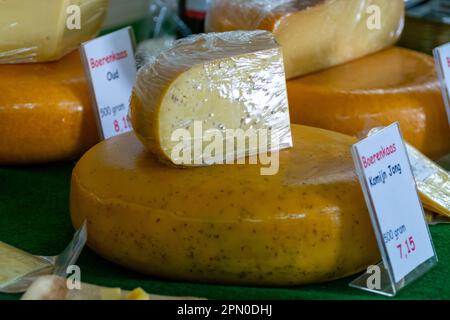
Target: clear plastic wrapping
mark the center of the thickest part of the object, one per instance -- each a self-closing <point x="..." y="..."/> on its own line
<point x="314" y="34"/>
<point x="18" y="269"/>
<point x="46" y="30"/>
<point x="216" y="81"/>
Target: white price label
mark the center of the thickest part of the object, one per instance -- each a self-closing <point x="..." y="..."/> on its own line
<point x="442" y="57"/>
<point x="396" y="211"/>
<point x="111" y="68"/>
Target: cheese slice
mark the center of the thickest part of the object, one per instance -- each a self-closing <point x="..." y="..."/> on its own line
<point x="45" y="112"/>
<point x="46" y="30"/>
<point x="228" y="224"/>
<point x="15" y="264"/>
<point x="212" y="84"/>
<point x="432" y="181"/>
<point x="314" y="34"/>
<point x="393" y="85"/>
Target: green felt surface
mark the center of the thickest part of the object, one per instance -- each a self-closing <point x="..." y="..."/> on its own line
<point x="34" y="216"/>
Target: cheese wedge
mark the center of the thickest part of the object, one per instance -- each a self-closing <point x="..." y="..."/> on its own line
<point x="393" y="85"/>
<point x="314" y="34"/>
<point x="432" y="181"/>
<point x="210" y="84"/>
<point x="227" y="223"/>
<point x="45" y="112"/>
<point x="46" y="30"/>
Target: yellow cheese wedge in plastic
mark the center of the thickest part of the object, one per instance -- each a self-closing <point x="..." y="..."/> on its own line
<point x="228" y="223"/>
<point x="211" y="83"/>
<point x="138" y="294"/>
<point x="393" y="85"/>
<point x="314" y="34"/>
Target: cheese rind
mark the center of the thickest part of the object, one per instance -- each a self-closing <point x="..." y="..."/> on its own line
<point x="37" y="30"/>
<point x="219" y="82"/>
<point x="45" y="112"/>
<point x="393" y="85"/>
<point x="314" y="34"/>
<point x="203" y="224"/>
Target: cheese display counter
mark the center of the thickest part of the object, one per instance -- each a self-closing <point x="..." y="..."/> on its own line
<point x="221" y="226"/>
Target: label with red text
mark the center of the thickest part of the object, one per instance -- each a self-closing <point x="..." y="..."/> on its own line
<point x="397" y="215"/>
<point x="111" y="68"/>
<point x="442" y="57"/>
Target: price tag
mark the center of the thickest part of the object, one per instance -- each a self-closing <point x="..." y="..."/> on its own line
<point x="111" y="69"/>
<point x="396" y="212"/>
<point x="442" y="57"/>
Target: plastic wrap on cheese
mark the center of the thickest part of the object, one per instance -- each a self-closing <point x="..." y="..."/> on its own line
<point x="314" y="34"/>
<point x="213" y="89"/>
<point x="432" y="181"/>
<point x="46" y="30"/>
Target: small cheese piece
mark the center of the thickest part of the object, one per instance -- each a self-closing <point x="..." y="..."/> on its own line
<point x="393" y="85"/>
<point x="314" y="34"/>
<point x="111" y="293"/>
<point x="45" y="112"/>
<point x="211" y="83"/>
<point x="228" y="224"/>
<point x="138" y="294"/>
<point x="46" y="30"/>
<point x="432" y="181"/>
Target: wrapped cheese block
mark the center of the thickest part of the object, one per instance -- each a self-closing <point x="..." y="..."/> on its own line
<point x="227" y="223"/>
<point x="393" y="85"/>
<point x="211" y="84"/>
<point x="314" y="34"/>
<point x="46" y="30"/>
<point x="45" y="112"/>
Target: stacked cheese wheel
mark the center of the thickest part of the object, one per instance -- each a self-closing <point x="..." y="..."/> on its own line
<point x="45" y="105"/>
<point x="304" y="222"/>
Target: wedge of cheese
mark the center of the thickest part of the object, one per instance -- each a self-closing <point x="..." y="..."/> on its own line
<point x="314" y="34"/>
<point x="209" y="86"/>
<point x="393" y="85"/>
<point x="46" y="30"/>
<point x="228" y="224"/>
<point x="45" y="112"/>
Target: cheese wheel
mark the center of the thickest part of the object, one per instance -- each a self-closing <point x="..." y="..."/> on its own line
<point x="227" y="223"/>
<point x="45" y="112"/>
<point x="393" y="85"/>
<point x="314" y="34"/>
<point x="211" y="83"/>
<point x="46" y="30"/>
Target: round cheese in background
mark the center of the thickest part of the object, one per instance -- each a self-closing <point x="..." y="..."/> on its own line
<point x="45" y="112"/>
<point x="47" y="30"/>
<point x="314" y="34"/>
<point x="227" y="223"/>
<point x="393" y="85"/>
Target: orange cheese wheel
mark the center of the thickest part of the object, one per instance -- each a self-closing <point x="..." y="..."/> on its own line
<point x="45" y="112"/>
<point x="393" y="85"/>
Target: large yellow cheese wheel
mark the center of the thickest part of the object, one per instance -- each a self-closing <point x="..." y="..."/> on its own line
<point x="45" y="112"/>
<point x="227" y="223"/>
<point x="393" y="85"/>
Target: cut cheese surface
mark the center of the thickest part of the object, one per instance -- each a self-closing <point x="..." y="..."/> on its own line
<point x="393" y="85"/>
<point x="432" y="181"/>
<point x="37" y="30"/>
<point x="227" y="223"/>
<point x="15" y="263"/>
<point x="45" y="112"/>
<point x="314" y="34"/>
<point x="211" y="83"/>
